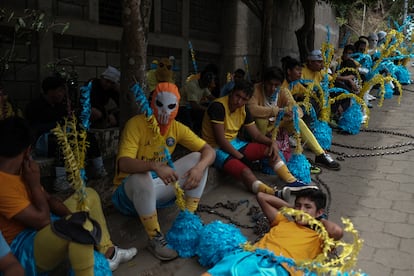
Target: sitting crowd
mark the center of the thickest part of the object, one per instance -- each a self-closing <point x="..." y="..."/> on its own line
<point x="245" y="125"/>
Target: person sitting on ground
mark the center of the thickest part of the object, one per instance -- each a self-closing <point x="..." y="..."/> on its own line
<point x="9" y="265"/>
<point x="195" y="96"/>
<point x="43" y="114"/>
<point x="105" y="99"/>
<point x="145" y="175"/>
<point x="222" y="124"/>
<point x="24" y="204"/>
<point x="269" y="99"/>
<point x="288" y="238"/>
<point x="237" y="75"/>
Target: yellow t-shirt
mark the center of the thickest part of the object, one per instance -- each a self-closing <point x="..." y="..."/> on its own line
<point x="14" y="198"/>
<point x="138" y="141"/>
<point x="316" y="76"/>
<point x="232" y="121"/>
<point x="289" y="239"/>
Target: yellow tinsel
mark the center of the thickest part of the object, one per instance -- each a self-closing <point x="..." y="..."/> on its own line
<point x="74" y="152"/>
<point x="356" y="98"/>
<point x="323" y="263"/>
<point x="328" y="53"/>
<point x="381" y="80"/>
<point x="179" y="195"/>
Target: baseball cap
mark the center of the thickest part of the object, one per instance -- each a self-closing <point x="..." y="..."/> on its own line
<point x="112" y="74"/>
<point x="315" y="55"/>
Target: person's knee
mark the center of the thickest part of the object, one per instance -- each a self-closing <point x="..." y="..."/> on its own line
<point x="138" y="184"/>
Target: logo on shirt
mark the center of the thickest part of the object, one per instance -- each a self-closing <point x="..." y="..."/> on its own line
<point x="170" y="141"/>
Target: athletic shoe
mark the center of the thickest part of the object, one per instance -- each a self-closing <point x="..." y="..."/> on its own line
<point x="121" y="256"/>
<point x="288" y="190"/>
<point x="315" y="170"/>
<point x="158" y="246"/>
<point x="326" y="161"/>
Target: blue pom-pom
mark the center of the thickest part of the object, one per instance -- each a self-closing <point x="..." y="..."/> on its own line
<point x="299" y="166"/>
<point x="351" y="119"/>
<point x="184" y="234"/>
<point x="85" y="100"/>
<point x="218" y="239"/>
<point x="389" y="92"/>
<point x="323" y="133"/>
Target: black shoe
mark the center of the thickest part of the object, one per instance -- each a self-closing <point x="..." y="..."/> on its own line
<point x="326" y="161"/>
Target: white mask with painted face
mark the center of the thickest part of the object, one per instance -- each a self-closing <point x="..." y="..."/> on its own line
<point x="166" y="104"/>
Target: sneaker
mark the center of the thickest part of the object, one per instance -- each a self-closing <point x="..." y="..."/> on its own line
<point x="315" y="170"/>
<point x="159" y="247"/>
<point x="61" y="184"/>
<point x="325" y="160"/>
<point x="121" y="256"/>
<point x="371" y="97"/>
<point x="292" y="142"/>
<point x="291" y="188"/>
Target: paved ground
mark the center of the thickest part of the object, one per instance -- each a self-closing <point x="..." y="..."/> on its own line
<point x="376" y="193"/>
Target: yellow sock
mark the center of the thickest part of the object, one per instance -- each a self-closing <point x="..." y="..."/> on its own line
<point x="191" y="203"/>
<point x="309" y="138"/>
<point x="151" y="225"/>
<point x="259" y="186"/>
<point x="283" y="172"/>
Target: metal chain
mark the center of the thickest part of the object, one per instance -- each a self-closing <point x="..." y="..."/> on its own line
<point x="410" y="144"/>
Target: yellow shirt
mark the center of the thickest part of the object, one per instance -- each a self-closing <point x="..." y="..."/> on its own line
<point x="316" y="76"/>
<point x="138" y="142"/>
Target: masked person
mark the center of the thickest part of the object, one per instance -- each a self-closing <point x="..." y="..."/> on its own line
<point x="162" y="73"/>
<point x="144" y="178"/>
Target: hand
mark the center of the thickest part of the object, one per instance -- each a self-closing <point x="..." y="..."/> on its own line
<point x="246" y="161"/>
<point x="273" y="151"/>
<point x="167" y="174"/>
<point x="193" y="176"/>
<point x="31" y="172"/>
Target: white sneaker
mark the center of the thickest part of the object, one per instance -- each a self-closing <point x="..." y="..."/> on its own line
<point x="370" y="97"/>
<point x="121" y="256"/>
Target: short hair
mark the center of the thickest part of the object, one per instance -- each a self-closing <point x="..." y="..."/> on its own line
<point x="53" y="82"/>
<point x="288" y="63"/>
<point x="240" y="71"/>
<point x="245" y="86"/>
<point x="314" y="195"/>
<point x="349" y="47"/>
<point x="15" y="136"/>
<point x="206" y="77"/>
<point x="273" y="73"/>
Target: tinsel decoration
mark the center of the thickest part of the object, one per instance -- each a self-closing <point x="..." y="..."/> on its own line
<point x="218" y="239"/>
<point x="73" y="146"/>
<point x="350" y="120"/>
<point x="324" y="263"/>
<point x="184" y="235"/>
<point x="322" y="131"/>
<point x="85" y="99"/>
<point x="193" y="59"/>
<point x="298" y="164"/>
<point x="388" y="94"/>
<point x="246" y="68"/>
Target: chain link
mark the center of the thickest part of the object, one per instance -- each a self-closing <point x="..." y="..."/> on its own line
<point x="409" y="146"/>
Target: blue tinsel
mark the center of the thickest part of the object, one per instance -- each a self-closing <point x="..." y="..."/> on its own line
<point x="322" y="131"/>
<point x="299" y="166"/>
<point x="141" y="100"/>
<point x="402" y="74"/>
<point x="85" y="100"/>
<point x="184" y="234"/>
<point x="350" y="120"/>
<point x="217" y="240"/>
<point x="388" y="91"/>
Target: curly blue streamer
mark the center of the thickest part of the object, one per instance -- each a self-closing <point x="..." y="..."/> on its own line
<point x="321" y="130"/>
<point x="217" y="240"/>
<point x="246" y="66"/>
<point x="184" y="235"/>
<point x="299" y="166"/>
<point x="141" y="100"/>
<point x="350" y="120"/>
<point x="85" y="100"/>
<point x="190" y="46"/>
<point x="389" y="92"/>
<point x="345" y="39"/>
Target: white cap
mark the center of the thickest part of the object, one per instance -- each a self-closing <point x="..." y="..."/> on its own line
<point x="315" y="55"/>
<point x="112" y="74"/>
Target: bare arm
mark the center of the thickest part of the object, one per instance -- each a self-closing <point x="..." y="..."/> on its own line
<point x="56" y="206"/>
<point x="222" y="142"/>
<point x="10" y="266"/>
<point x="334" y="230"/>
<point x="270" y="205"/>
<point x="257" y="136"/>
<point x="37" y="214"/>
<point x="195" y="174"/>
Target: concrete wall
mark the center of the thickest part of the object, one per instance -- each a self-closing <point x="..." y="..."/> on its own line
<point x="222" y="32"/>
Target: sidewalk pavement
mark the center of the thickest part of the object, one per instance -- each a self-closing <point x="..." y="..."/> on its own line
<point x="376" y="193"/>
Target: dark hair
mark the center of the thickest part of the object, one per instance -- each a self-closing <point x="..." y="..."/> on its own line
<point x="240" y="71"/>
<point x="53" y="82"/>
<point x="206" y="78"/>
<point x="349" y="47"/>
<point x="288" y="63"/>
<point x="314" y="195"/>
<point x="15" y="136"/>
<point x="273" y="73"/>
<point x="245" y="86"/>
